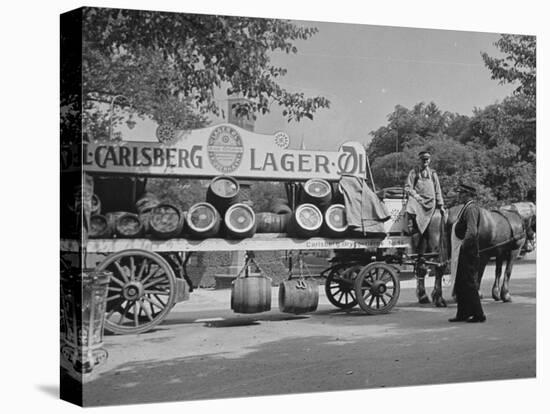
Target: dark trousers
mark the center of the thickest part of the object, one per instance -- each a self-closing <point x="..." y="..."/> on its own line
<point x="466" y="289"/>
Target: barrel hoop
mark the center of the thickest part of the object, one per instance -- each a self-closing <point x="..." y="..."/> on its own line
<point x="228" y="214"/>
<point x="315" y="211"/>
<point x="327" y="221"/>
<point x="190" y="222"/>
<point x="315" y="181"/>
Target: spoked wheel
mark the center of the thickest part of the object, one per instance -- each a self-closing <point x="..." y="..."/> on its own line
<point x="377" y="288"/>
<point x="141" y="292"/>
<point x="339" y="286"/>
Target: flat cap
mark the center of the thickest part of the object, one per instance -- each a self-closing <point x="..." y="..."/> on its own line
<point x="424" y="154"/>
<point x="465" y="188"/>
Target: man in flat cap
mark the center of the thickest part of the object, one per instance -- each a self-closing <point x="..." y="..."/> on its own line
<point x="466" y="229"/>
<point x="424" y="198"/>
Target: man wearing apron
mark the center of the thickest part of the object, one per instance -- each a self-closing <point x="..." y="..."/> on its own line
<point x="424" y="197"/>
<point x="465" y="287"/>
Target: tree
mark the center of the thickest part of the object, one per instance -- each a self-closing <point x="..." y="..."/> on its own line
<point x="518" y="65"/>
<point x="409" y="126"/>
<point x="168" y="65"/>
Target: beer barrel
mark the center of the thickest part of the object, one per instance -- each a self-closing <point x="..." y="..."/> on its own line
<point x="272" y="223"/>
<point x="165" y="221"/>
<point x="128" y="225"/>
<point x="251" y="294"/>
<point x="306" y="221"/>
<point x="99" y="227"/>
<point x="298" y="296"/>
<point x="316" y="191"/>
<point x="202" y="221"/>
<point x="280" y="206"/>
<point x="96" y="205"/>
<point x="335" y="224"/>
<point x="240" y="221"/>
<point x="146" y="203"/>
<point x="222" y="192"/>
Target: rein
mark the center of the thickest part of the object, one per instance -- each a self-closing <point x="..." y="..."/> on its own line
<point x="512" y="239"/>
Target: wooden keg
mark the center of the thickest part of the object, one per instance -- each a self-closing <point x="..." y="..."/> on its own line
<point x="306" y="221"/>
<point x="146" y="203"/>
<point x="128" y="225"/>
<point x="222" y="193"/>
<point x="203" y="221"/>
<point x="99" y="227"/>
<point x="165" y="221"/>
<point x="280" y="206"/>
<point x="272" y="223"/>
<point x="298" y="296"/>
<point x="335" y="224"/>
<point x="240" y="221"/>
<point x="96" y="205"/>
<point x="251" y="294"/>
<point x="317" y="192"/>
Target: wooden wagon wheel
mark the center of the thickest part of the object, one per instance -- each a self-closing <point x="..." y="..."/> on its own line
<point x="339" y="286"/>
<point x="141" y="292"/>
<point x="377" y="288"/>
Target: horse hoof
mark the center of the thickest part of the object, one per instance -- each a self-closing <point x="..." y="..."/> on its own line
<point x="496" y="294"/>
<point x="507" y="298"/>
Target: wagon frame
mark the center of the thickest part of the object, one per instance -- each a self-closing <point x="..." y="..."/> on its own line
<point x="154" y="272"/>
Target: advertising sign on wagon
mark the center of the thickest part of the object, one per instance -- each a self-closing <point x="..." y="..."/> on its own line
<point x="220" y="149"/>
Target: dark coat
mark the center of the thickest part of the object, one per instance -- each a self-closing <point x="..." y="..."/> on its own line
<point x="466" y="288"/>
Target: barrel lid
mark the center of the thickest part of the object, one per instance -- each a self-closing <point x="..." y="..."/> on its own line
<point x="309" y="217"/>
<point x="202" y="217"/>
<point x="128" y="223"/>
<point x="224" y="186"/>
<point x="317" y="187"/>
<point x="240" y="218"/>
<point x="335" y="217"/>
<point x="165" y="216"/>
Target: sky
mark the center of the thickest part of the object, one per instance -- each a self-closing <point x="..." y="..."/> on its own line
<point x="365" y="71"/>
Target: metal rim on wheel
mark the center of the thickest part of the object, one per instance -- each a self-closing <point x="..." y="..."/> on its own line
<point x="339" y="286"/>
<point x="377" y="288"/>
<point x="141" y="292"/>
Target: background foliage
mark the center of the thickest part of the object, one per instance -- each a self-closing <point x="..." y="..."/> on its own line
<point x="495" y="148"/>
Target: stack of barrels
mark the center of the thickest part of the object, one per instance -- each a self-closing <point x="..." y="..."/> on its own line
<point x="225" y="213"/>
<point x="317" y="214"/>
<point x="150" y="217"/>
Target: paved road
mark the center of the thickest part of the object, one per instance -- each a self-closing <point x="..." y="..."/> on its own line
<point x="203" y="350"/>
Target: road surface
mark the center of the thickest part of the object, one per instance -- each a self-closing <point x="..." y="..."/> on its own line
<point x="204" y="350"/>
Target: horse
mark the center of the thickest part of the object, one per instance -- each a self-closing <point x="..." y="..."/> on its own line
<point x="502" y="234"/>
<point x="431" y="245"/>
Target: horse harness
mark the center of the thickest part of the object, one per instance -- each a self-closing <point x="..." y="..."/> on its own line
<point x="514" y="238"/>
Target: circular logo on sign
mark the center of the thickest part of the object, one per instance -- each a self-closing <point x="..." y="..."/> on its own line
<point x="166" y="133"/>
<point x="282" y="139"/>
<point x="225" y="149"/>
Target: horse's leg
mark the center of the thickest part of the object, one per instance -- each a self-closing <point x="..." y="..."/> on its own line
<point x="421" y="270"/>
<point x="504" y="291"/>
<point x="498" y="274"/>
<point x="437" y="293"/>
<point x="434" y="241"/>
<point x="483" y="260"/>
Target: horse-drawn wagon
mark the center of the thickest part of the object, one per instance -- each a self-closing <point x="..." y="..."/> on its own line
<point x="149" y="275"/>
